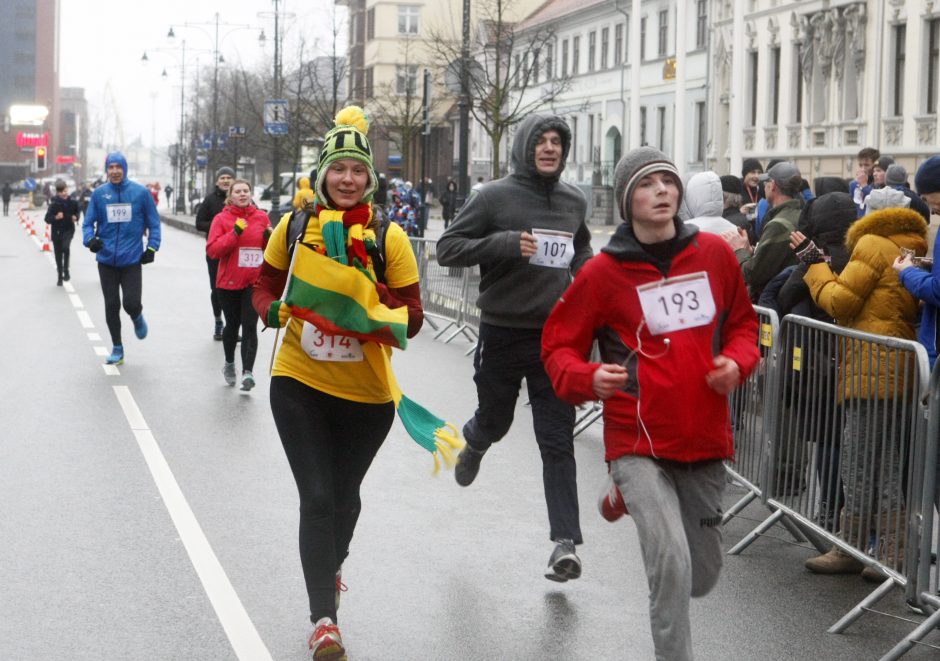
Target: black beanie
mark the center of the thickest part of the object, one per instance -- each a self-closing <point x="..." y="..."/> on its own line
<point x="927" y="179"/>
<point x="730" y="184"/>
<point x="749" y="165"/>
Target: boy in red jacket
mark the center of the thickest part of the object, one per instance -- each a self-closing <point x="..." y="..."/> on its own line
<point x="677" y="334"/>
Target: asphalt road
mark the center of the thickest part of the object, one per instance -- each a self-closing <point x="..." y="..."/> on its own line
<point x="150" y="513"/>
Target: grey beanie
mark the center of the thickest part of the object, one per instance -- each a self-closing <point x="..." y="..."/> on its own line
<point x="225" y="170"/>
<point x="896" y="175"/>
<point x="633" y="166"/>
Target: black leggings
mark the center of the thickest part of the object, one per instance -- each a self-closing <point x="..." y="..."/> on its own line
<point x="239" y="312"/>
<point x="213" y="265"/>
<point x="329" y="443"/>
<point x="61" y="238"/>
<point x="117" y="283"/>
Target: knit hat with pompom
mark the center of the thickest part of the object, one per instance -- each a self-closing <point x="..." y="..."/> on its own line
<point x="346" y="140"/>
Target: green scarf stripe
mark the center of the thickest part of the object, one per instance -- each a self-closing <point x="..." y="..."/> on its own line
<point x="334" y="238"/>
<point x="342" y="310"/>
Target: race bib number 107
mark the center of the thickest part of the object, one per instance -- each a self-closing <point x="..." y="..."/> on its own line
<point x="677" y="303"/>
<point x="555" y="249"/>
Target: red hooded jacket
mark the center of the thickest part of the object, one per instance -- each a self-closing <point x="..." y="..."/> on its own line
<point x="240" y="255"/>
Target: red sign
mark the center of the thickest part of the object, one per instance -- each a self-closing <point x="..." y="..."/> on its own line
<point x="64" y="160"/>
<point x="24" y="139"/>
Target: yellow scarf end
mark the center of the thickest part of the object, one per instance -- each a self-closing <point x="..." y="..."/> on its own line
<point x="447" y="442"/>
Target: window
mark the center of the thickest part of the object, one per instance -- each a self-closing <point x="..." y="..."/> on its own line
<point x="534" y="71"/>
<point x="574" y="138"/>
<point x="408" y="19"/>
<point x="642" y="38"/>
<point x="354" y="28"/>
<point x="517" y="72"/>
<point x="370" y="81"/>
<point x="549" y="62"/>
<point x="643" y="126"/>
<point x="663" y="31"/>
<point x="406" y="79"/>
<point x="575" y="54"/>
<point x="370" y="24"/>
<point x="900" y="37"/>
<point x="701" y="129"/>
<point x="605" y="45"/>
<point x="933" y="58"/>
<point x="661" y="126"/>
<point x="564" y="58"/>
<point x="798" y="73"/>
<point x="774" y="85"/>
<point x="618" y="44"/>
<point x="592" y="49"/>
<point x="701" y="24"/>
<point x="752" y="90"/>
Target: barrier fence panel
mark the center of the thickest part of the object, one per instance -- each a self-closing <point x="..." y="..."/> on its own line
<point x="442" y="288"/>
<point x="422" y="250"/>
<point x="750" y="404"/>
<point x="926" y="592"/>
<point x="848" y="440"/>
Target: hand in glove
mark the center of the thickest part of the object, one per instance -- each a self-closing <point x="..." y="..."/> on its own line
<point x="278" y="314"/>
<point x="95" y="244"/>
<point x="240" y="225"/>
<point x="148" y="256"/>
<point x="267" y="233"/>
<point x="806" y="251"/>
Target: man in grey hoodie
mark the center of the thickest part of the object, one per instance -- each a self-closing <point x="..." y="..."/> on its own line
<point x="527" y="233"/>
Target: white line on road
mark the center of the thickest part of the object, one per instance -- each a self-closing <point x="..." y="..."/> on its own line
<point x="69" y="288"/>
<point x="94" y="337"/>
<point x="85" y="318"/>
<point x="102" y="351"/>
<point x="76" y="301"/>
<point x="111" y="370"/>
<point x="238" y="626"/>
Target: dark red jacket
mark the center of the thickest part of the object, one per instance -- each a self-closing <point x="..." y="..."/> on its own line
<point x="232" y="249"/>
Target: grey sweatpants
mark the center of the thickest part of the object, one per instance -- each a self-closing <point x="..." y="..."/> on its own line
<point x="677" y="511"/>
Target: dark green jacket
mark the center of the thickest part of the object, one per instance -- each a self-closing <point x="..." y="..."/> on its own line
<point x="772" y="253"/>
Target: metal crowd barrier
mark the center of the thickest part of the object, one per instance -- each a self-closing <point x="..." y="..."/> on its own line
<point x="447" y="294"/>
<point x="848" y="435"/>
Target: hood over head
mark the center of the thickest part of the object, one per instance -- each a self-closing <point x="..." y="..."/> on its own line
<point x="633" y="166"/>
<point x="886" y="198"/>
<point x="116" y="157"/>
<point x="825" y="185"/>
<point x="827" y="218"/>
<point x="528" y="134"/>
<point x="702" y="196"/>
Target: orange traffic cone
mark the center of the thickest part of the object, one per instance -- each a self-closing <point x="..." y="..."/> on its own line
<point x="45" y="241"/>
<point x="32" y="230"/>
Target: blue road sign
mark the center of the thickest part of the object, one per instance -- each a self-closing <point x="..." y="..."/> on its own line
<point x="275" y="116"/>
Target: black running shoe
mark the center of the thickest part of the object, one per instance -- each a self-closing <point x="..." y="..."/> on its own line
<point x="564" y="564"/>
<point x="468" y="465"/>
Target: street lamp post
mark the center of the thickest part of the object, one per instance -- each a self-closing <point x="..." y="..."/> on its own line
<point x="275" y="212"/>
<point x="464" y="105"/>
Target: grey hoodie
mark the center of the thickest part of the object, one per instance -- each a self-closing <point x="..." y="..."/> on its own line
<point x="487" y="231"/>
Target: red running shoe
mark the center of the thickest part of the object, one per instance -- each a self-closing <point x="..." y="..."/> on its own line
<point x="611" y="505"/>
<point x="325" y="643"/>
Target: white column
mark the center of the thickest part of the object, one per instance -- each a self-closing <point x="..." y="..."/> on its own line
<point x="736" y="122"/>
<point x="679" y="152"/>
<point x="636" y="63"/>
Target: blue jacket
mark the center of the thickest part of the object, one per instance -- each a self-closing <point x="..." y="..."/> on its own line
<point x="926" y="286"/>
<point x="123" y="239"/>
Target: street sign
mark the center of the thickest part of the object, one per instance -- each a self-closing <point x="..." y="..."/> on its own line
<point x="236" y="131"/>
<point x="275" y="116"/>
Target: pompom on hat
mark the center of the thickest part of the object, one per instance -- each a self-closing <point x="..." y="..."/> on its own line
<point x="347" y="139"/>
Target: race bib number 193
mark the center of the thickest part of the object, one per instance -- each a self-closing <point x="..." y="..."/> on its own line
<point x="677" y="303"/>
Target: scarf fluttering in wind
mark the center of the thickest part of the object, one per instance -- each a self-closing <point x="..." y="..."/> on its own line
<point x="337" y="294"/>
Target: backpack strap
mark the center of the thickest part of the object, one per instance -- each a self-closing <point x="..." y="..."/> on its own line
<point x="377" y="253"/>
<point x="296" y="228"/>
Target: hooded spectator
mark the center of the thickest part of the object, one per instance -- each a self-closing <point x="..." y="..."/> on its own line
<point x="825" y="185"/>
<point x="703" y="203"/>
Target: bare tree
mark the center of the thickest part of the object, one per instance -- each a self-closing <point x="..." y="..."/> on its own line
<point x="509" y="62"/>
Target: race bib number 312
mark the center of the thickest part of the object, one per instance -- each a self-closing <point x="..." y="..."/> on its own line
<point x="677" y="303"/>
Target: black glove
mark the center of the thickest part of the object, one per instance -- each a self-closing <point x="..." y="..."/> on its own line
<point x="808" y="253"/>
<point x="148" y="256"/>
<point x="95" y="244"/>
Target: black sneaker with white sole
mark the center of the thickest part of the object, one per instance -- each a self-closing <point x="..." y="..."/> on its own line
<point x="564" y="564"/>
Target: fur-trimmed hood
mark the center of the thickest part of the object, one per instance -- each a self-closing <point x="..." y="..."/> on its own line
<point x="886" y="223"/>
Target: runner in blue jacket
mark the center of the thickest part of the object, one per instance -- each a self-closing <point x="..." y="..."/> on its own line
<point x="119" y="214"/>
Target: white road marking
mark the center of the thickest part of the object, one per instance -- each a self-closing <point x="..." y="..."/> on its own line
<point x="76" y="301"/>
<point x="94" y="337"/>
<point x="102" y="351"/>
<point x="241" y="632"/>
<point x="85" y="318"/>
<point x="111" y="370"/>
<point x="69" y="288"/>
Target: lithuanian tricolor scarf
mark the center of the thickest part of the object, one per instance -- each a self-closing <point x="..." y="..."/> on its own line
<point x="337" y="294"/>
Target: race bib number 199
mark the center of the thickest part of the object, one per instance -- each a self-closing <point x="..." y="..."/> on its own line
<point x="330" y="348"/>
<point x="119" y="213"/>
<point x="677" y="303"/>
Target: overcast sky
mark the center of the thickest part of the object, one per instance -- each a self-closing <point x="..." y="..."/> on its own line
<point x="101" y="48"/>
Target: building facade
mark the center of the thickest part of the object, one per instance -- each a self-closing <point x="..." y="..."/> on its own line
<point x="29" y="49"/>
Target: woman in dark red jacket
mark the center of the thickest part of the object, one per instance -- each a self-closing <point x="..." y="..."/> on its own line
<point x="237" y="238"/>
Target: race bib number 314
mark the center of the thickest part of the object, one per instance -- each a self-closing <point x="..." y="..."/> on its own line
<point x="677" y="303"/>
<point x="329" y="348"/>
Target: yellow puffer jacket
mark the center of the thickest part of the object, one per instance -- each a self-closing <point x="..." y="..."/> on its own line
<point x="868" y="296"/>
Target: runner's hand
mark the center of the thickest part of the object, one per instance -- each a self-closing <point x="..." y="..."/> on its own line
<point x="240" y="225"/>
<point x="95" y="244"/>
<point x="528" y="246"/>
<point x="147" y="257"/>
<point x="608" y="379"/>
<point x="725" y="377"/>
